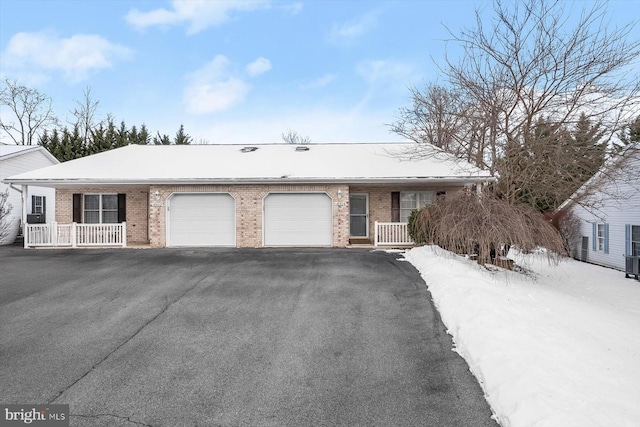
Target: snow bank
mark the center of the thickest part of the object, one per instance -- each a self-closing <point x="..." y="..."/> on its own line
<point x="560" y="347"/>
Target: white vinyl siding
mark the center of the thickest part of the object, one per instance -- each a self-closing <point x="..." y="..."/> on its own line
<point x="298" y="219"/>
<point x="17" y="164"/>
<point x="411" y="200"/>
<point x="620" y="203"/>
<point x="204" y="219"/>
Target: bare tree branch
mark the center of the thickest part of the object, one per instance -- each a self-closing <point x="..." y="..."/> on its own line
<point x="29" y="113"/>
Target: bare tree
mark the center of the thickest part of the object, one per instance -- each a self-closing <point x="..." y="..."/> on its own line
<point x="292" y="137"/>
<point x="533" y="60"/>
<point x="85" y="115"/>
<point x="30" y="113"/>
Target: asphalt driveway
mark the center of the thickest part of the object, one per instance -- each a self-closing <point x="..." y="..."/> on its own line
<point x="231" y="337"/>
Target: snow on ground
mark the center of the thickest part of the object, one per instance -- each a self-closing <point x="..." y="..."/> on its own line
<point x="558" y="347"/>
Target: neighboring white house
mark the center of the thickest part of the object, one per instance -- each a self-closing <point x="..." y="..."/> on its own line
<point x="608" y="206"/>
<point x="40" y="202"/>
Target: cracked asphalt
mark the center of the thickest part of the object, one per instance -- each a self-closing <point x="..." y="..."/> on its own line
<point x="229" y="337"/>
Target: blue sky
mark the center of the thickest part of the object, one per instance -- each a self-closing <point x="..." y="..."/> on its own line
<point x="237" y="71"/>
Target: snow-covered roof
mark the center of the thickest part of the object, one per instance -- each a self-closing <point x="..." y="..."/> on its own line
<point x="259" y="163"/>
<point x="7" y="151"/>
<point x="610" y="171"/>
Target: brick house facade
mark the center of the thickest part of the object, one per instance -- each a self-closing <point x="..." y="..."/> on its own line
<point x="263" y="189"/>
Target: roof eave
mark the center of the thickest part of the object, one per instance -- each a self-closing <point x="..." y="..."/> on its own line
<point x="227" y="181"/>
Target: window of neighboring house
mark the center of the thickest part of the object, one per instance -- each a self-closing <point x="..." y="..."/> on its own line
<point x="37" y="204"/>
<point x="410" y="201"/>
<point x="100" y="208"/>
<point x="635" y="240"/>
<point x="600" y="237"/>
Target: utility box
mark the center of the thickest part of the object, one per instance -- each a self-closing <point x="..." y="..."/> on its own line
<point x="632" y="267"/>
<point x="36" y="218"/>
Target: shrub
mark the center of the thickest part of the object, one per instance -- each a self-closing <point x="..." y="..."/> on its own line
<point x="466" y="223"/>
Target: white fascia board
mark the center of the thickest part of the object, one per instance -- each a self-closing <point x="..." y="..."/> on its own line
<point x="226" y="181"/>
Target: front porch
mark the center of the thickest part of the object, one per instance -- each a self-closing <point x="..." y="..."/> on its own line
<point x="75" y="235"/>
<point x="386" y="234"/>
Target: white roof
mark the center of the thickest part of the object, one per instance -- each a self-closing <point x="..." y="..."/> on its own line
<point x="8" y="151"/>
<point x="267" y="163"/>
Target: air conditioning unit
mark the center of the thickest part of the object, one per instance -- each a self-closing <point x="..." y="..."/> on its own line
<point x="632" y="266"/>
<point x="36" y="218"/>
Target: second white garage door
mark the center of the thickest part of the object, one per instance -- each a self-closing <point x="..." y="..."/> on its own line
<point x="202" y="220"/>
<point x="298" y="219"/>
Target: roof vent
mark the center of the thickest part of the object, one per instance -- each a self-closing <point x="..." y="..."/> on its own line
<point x="248" y="149"/>
<point x="302" y="148"/>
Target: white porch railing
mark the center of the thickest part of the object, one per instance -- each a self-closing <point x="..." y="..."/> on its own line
<point x="75" y="235"/>
<point x="391" y="234"/>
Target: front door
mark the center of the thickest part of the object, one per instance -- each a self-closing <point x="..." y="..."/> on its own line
<point x="359" y="215"/>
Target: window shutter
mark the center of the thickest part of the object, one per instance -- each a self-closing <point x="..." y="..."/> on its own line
<point x="395" y="206"/>
<point x="33" y="204"/>
<point x="122" y="207"/>
<point x="627" y="239"/>
<point x="44" y="204"/>
<point x="594" y="239"/>
<point x="606" y="238"/>
<point x="77" y="208"/>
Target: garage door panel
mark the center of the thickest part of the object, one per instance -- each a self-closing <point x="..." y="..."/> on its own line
<point x="298" y="219"/>
<point x="202" y="220"/>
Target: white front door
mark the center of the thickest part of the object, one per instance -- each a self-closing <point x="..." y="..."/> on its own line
<point x="359" y="215"/>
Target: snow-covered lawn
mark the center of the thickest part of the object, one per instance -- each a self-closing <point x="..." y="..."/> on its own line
<point x="557" y="348"/>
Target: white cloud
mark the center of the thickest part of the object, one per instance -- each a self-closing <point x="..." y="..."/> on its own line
<point x="259" y="66"/>
<point x="348" y="32"/>
<point x="381" y="71"/>
<point x="293" y="8"/>
<point x="214" y="88"/>
<point x="77" y="55"/>
<point x="319" y="82"/>
<point x="197" y="15"/>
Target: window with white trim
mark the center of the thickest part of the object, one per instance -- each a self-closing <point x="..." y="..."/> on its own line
<point x="100" y="209"/>
<point x="635" y="240"/>
<point x="411" y="200"/>
<point x="600" y="237"/>
<point x="37" y="205"/>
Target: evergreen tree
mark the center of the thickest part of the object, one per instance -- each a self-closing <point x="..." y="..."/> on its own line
<point x="181" y="137"/>
<point x="629" y="134"/>
<point x="161" y="139"/>
<point x="121" y="136"/>
<point x="144" y="137"/>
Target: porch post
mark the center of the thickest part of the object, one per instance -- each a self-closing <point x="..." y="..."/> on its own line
<point x="24" y="195"/>
<point x="74" y="243"/>
<point x="124" y="234"/>
<point x="375" y="241"/>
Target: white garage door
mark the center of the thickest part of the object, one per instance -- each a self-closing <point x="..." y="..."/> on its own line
<point x="202" y="220"/>
<point x="297" y="219"/>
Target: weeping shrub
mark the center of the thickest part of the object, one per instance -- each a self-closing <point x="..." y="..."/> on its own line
<point x="466" y="223"/>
